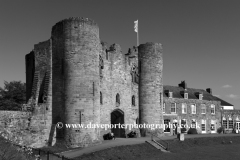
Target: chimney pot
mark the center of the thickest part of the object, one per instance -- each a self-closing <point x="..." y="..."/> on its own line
<point x="209" y="90"/>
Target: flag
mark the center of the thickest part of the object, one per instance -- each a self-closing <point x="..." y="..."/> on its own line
<point x="136" y="26"/>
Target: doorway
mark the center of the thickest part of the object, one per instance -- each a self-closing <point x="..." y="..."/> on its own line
<point x="117" y="117"/>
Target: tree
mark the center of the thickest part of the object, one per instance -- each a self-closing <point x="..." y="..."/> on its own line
<point x="13" y="95"/>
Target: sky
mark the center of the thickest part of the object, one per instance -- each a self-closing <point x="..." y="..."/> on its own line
<point x="200" y="38"/>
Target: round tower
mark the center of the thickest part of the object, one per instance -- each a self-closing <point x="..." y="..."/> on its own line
<point x="76" y="48"/>
<point x="150" y="87"/>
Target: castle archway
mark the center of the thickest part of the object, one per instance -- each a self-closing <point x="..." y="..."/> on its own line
<point x="117" y="117"/>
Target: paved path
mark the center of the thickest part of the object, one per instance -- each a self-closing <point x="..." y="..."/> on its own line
<point x="130" y="141"/>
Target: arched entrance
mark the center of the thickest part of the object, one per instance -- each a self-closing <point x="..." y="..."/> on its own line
<point x="117" y="117"/>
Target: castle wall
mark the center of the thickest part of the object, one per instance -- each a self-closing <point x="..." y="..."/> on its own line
<point x="67" y="73"/>
<point x="30" y="69"/>
<point x="150" y="87"/>
<point x="117" y="79"/>
<point x="43" y="71"/>
<point x="76" y="49"/>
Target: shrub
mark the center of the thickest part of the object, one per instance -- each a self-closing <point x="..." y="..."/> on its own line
<point x="220" y="130"/>
<point x="192" y="131"/>
<point x="183" y="130"/>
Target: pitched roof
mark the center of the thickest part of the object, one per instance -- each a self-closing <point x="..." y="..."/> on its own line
<point x="223" y="103"/>
<point x="192" y="94"/>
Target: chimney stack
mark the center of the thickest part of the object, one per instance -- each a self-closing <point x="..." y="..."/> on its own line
<point x="209" y="90"/>
<point x="183" y="84"/>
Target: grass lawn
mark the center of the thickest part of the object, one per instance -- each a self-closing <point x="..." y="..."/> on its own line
<point x="9" y="152"/>
<point x="214" y="148"/>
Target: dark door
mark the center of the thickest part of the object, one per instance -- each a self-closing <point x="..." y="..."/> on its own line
<point x="117" y="117"/>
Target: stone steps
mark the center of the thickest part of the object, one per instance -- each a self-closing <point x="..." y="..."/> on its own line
<point x="47" y="79"/>
<point x="157" y="145"/>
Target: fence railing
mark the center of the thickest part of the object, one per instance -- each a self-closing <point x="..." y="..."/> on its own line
<point x="47" y="154"/>
<point x="160" y="142"/>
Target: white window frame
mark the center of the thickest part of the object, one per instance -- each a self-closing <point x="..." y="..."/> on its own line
<point x="184" y="105"/>
<point x="175" y="108"/>
<point x="182" y="125"/>
<point x="193" y="109"/>
<point x="194" y="120"/>
<point x="203" y="105"/>
<point x="232" y="125"/>
<point x="164" y="107"/>
<point x="203" y="122"/>
<point x="170" y="94"/>
<point x="200" y="96"/>
<point x="185" y="95"/>
<point x="214" y="108"/>
<point x="213" y="122"/>
<point x="226" y="122"/>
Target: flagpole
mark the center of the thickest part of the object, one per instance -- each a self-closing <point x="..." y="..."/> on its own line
<point x="138" y="36"/>
<point x="136" y="29"/>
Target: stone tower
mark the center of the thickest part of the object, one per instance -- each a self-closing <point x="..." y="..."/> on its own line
<point x="76" y="48"/>
<point x="150" y="86"/>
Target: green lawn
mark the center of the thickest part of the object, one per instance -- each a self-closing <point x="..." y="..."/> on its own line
<point x="205" y="148"/>
<point x="191" y="149"/>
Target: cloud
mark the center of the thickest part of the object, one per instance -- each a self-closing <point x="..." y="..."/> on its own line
<point x="217" y="95"/>
<point x="227" y="86"/>
<point x="233" y="96"/>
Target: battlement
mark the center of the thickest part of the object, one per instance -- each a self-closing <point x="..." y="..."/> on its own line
<point x="75" y="22"/>
<point x="78" y="19"/>
<point x="151" y="49"/>
<point x="132" y="52"/>
<point x="115" y="47"/>
<point x="104" y="45"/>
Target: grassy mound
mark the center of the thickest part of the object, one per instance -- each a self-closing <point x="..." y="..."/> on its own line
<point x="193" y="148"/>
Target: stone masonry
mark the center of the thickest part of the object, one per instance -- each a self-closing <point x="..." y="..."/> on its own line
<point x="75" y="78"/>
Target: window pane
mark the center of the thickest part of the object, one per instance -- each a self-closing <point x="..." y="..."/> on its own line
<point x="203" y="127"/>
<point x="213" y="109"/>
<point x="212" y="127"/>
<point x="184" y="108"/>
<point x="203" y="109"/>
<point x="164" y="107"/>
<point x="225" y="123"/>
<point x="193" y="123"/>
<point x="193" y="107"/>
<point x="166" y="124"/>
<point x="183" y="125"/>
<point x="173" y="108"/>
<point x="230" y="124"/>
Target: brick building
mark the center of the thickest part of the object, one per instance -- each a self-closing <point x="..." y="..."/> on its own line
<point x="189" y="107"/>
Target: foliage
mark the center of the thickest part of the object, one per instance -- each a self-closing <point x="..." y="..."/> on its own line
<point x="8" y="151"/>
<point x="192" y="131"/>
<point x="183" y="130"/>
<point x="220" y="130"/>
<point x="13" y="95"/>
